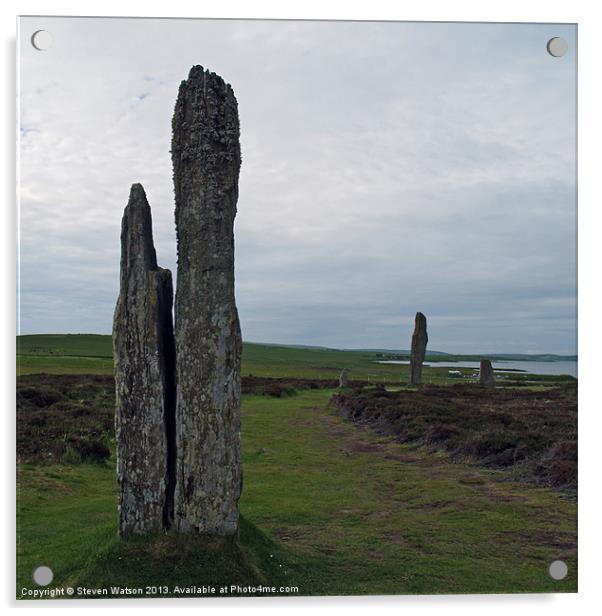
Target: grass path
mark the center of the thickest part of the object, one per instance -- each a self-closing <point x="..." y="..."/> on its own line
<point x="328" y="507"/>
<point x="386" y="518"/>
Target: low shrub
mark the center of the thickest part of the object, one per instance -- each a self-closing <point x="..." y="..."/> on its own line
<point x="498" y="428"/>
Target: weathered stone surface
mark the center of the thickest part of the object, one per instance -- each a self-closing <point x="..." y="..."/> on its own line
<point x="143" y="349"/>
<point x="418" y="351"/>
<point x="486" y="377"/>
<point x="344" y="378"/>
<point x="206" y="163"/>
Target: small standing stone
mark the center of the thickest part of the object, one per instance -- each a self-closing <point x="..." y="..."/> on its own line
<point x="486" y="377"/>
<point x="344" y="378"/>
<point x="143" y="350"/>
<point x="418" y="352"/>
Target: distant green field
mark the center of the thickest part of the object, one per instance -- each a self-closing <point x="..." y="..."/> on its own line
<point x="92" y="354"/>
<point x="78" y="345"/>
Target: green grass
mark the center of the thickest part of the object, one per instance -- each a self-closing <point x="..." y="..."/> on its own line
<point x="326" y="506"/>
<point x="78" y="345"/>
<point x="65" y="518"/>
<point x="92" y="354"/>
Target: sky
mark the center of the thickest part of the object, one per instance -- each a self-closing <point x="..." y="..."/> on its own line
<point x="387" y="168"/>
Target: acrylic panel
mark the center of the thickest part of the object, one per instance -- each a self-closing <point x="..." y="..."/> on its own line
<point x="296" y="308"/>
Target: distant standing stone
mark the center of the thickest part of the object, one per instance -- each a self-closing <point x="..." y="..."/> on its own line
<point x="418" y="351"/>
<point x="206" y="164"/>
<point x="344" y="378"/>
<point x="143" y="350"/>
<point x="486" y="377"/>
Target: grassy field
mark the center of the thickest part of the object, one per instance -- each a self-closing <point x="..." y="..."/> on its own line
<point x="328" y="507"/>
<point x="92" y="354"/>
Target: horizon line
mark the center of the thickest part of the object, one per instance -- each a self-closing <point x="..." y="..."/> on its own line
<point x="337" y="348"/>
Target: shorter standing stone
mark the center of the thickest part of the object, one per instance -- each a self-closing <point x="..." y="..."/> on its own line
<point x="144" y="355"/>
<point x="344" y="378"/>
<point x="486" y="374"/>
<point x="418" y="352"/>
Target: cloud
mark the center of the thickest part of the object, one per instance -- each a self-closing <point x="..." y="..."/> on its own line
<point x="387" y="168"/>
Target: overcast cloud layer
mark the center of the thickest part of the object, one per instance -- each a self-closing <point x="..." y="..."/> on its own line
<point x="387" y="168"/>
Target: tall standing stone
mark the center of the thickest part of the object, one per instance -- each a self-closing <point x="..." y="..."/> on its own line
<point x="418" y="352"/>
<point x="344" y="378"/>
<point x="206" y="164"/>
<point x="486" y="377"/>
<point x="143" y="350"/>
